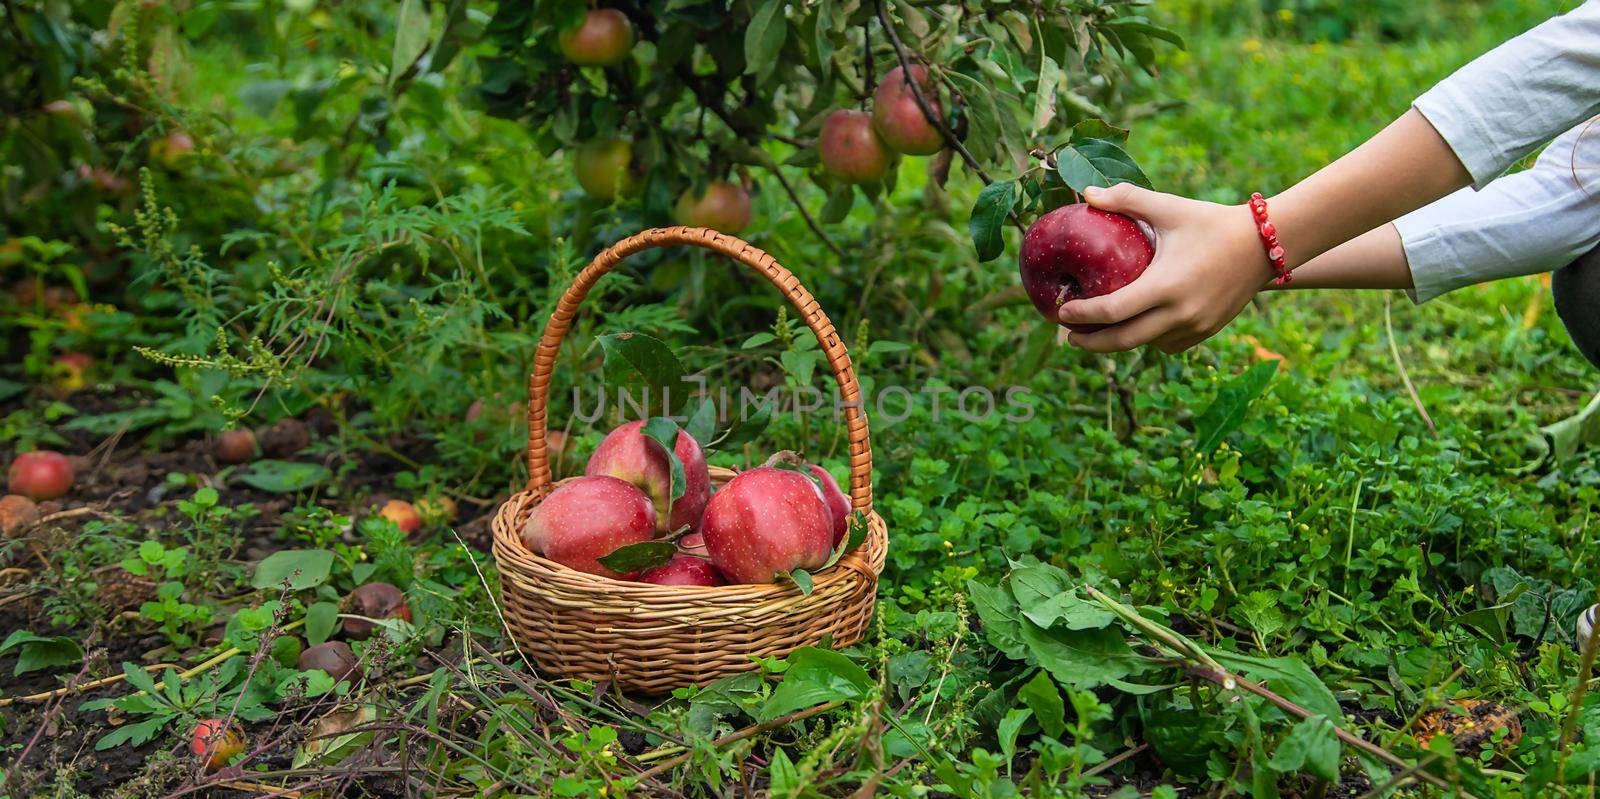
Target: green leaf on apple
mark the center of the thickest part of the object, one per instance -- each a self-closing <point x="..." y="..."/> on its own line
<point x="703" y="424"/>
<point x="639" y="556"/>
<point x="638" y="361"/>
<point x="801" y="578"/>
<point x="989" y="216"/>
<point x="1227" y="411"/>
<point x="664" y="432"/>
<point x="1097" y="162"/>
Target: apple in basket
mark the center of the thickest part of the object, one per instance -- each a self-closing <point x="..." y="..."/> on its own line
<point x="588" y="518"/>
<point x="628" y="454"/>
<point x="766" y="523"/>
<point x="838" y="503"/>
<point x="684" y="569"/>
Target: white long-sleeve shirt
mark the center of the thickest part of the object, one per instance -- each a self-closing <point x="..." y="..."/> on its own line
<point x="1493" y="112"/>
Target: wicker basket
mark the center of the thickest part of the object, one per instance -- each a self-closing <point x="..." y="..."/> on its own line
<point x="653" y="638"/>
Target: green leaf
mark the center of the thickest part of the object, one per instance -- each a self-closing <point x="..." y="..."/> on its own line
<point x="320" y="620"/>
<point x="815" y="676"/>
<point x="133" y="734"/>
<point x="1287" y="677"/>
<point x="411" y="29"/>
<point x="636" y="362"/>
<point x="802" y="580"/>
<point x="303" y="568"/>
<point x="36" y="652"/>
<point x="989" y="216"/>
<point x="1311" y="747"/>
<point x="743" y="428"/>
<point x="758" y="340"/>
<point x="284" y="477"/>
<point x="664" y="432"/>
<point x="1227" y="411"/>
<point x="1044" y="101"/>
<point x="1097" y="162"/>
<point x="855" y="533"/>
<point x="702" y="425"/>
<point x="1098" y="129"/>
<point x="840" y="200"/>
<point x="1002" y="620"/>
<point x="784" y="779"/>
<point x="643" y="555"/>
<point x="1075" y="612"/>
<point x="1009" y="727"/>
<point x="983" y="123"/>
<point x="1042" y="696"/>
<point x="1079" y="658"/>
<point x="764" y="38"/>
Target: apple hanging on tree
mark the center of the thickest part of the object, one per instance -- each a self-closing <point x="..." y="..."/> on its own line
<point x="851" y="149"/>
<point x="603" y="39"/>
<point x="898" y="119"/>
<point x="604" y="168"/>
<point x="723" y="206"/>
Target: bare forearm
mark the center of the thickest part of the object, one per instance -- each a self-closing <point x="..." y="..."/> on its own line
<point x="1373" y="260"/>
<point x="1406" y="166"/>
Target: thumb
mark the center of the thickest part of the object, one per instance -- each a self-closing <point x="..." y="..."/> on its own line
<point x="1129" y="199"/>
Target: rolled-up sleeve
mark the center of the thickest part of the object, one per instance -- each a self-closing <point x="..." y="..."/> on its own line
<point x="1533" y="221"/>
<point x="1502" y="106"/>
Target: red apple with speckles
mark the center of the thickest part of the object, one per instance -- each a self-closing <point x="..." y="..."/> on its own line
<point x="683" y="569"/>
<point x="1078" y="251"/>
<point x="838" y="503"/>
<point x="766" y="522"/>
<point x="403" y="514"/>
<point x="628" y="454"/>
<point x="604" y="39"/>
<point x="588" y="518"/>
<point x="216" y="742"/>
<point x="851" y="151"/>
<point x="694" y="544"/>
<point x="40" y="475"/>
<point x="234" y="446"/>
<point x="897" y="117"/>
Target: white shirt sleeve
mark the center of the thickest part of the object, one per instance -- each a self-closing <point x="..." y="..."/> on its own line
<point x="1533" y="221"/>
<point x="1502" y="106"/>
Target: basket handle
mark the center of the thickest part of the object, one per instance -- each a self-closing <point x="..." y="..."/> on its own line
<point x="544" y="359"/>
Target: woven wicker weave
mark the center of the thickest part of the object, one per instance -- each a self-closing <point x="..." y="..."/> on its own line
<point x="653" y="638"/>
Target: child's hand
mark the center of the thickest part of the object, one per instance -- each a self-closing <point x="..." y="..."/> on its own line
<point x="1209" y="262"/>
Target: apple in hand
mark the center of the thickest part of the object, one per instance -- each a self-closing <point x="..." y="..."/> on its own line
<point x="723" y="206"/>
<point x="603" y="40"/>
<point x="374" y="601"/>
<point x="40" y="475"/>
<point x="683" y="569"/>
<point x="766" y="522"/>
<point x="1078" y="251"/>
<point x="628" y="454"/>
<point x="216" y="742"/>
<point x="851" y="150"/>
<point x="587" y="519"/>
<point x="899" y="120"/>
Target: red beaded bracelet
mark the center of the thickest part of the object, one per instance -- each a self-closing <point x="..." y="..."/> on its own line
<point x="1269" y="238"/>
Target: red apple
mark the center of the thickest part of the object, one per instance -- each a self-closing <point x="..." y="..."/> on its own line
<point x="838" y="503"/>
<point x="683" y="569"/>
<point x="604" y="168"/>
<point x="588" y="518"/>
<point x="765" y="522"/>
<point x="234" y="446"/>
<point x="603" y="40"/>
<point x="851" y="150"/>
<point x="333" y="657"/>
<point x="40" y="475"/>
<point x="403" y="514"/>
<point x="722" y="206"/>
<point x="1078" y="251"/>
<point x="628" y="454"/>
<point x="216" y="742"/>
<point x="374" y="601"/>
<point x="17" y="515"/>
<point x="899" y="120"/>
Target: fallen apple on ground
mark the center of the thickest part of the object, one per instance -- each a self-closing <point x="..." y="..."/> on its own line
<point x="1078" y="251"/>
<point x="373" y="601"/>
<point x="628" y="454"/>
<point x="17" y="515"/>
<point x="403" y="514"/>
<point x="588" y="518"/>
<point x="766" y="523"/>
<point x="40" y="475"/>
<point x="234" y="446"/>
<point x="216" y="742"/>
<point x="333" y="657"/>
